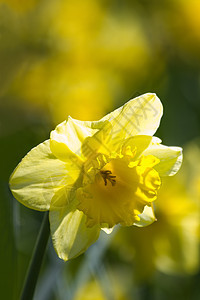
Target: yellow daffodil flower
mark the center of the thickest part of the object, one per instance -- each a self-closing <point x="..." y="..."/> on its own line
<point x="94" y="175"/>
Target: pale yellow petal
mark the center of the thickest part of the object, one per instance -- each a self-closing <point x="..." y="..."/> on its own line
<point x="39" y="175"/>
<point x="139" y="116"/>
<point x="147" y="217"/>
<point x="69" y="233"/>
<point x="107" y="230"/>
<point x="100" y="142"/>
<point x="68" y="137"/>
<point x="137" y="144"/>
<point x="170" y="158"/>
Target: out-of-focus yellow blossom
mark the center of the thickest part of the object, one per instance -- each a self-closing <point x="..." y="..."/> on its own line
<point x="171" y="244"/>
<point x="186" y="45"/>
<point x="92" y="51"/>
<point x="191" y="16"/>
<point x="93" y="291"/>
<point x="124" y="45"/>
<point x="70" y="21"/>
<point x="109" y="40"/>
<point x="90" y="291"/>
<point x="61" y="92"/>
<point x="94" y="175"/>
<point x="191" y="176"/>
<point x="176" y="246"/>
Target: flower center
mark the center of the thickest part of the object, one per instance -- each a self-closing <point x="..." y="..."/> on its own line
<point x="135" y="187"/>
<point x="107" y="175"/>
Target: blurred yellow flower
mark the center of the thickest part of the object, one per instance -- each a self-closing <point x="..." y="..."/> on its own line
<point x="172" y="241"/>
<point x="90" y="291"/>
<point x="82" y="47"/>
<point x="60" y="91"/>
<point x="93" y="290"/>
<point x="94" y="175"/>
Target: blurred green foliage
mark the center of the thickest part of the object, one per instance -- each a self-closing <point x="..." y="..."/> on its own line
<point x="85" y="58"/>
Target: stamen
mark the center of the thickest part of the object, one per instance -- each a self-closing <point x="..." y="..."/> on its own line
<point x="107" y="176"/>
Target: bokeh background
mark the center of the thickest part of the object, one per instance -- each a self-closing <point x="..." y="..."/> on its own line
<point x="84" y="58"/>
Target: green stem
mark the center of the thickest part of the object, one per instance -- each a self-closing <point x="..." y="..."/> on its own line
<point x="36" y="260"/>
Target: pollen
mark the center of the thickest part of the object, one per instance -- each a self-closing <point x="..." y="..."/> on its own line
<point x="107" y="175"/>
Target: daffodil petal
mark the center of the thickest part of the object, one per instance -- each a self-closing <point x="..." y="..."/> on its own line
<point x="107" y="230"/>
<point x="139" y="143"/>
<point x="170" y="158"/>
<point x="147" y="217"/>
<point x="39" y="175"/>
<point x="139" y="116"/>
<point x="69" y="232"/>
<point x="67" y="138"/>
<point x="98" y="143"/>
